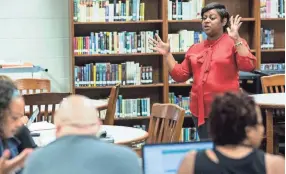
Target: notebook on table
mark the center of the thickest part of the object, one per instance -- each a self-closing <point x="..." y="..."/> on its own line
<point x="166" y="158"/>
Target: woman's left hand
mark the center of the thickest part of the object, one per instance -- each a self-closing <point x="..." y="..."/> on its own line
<point x="234" y="27"/>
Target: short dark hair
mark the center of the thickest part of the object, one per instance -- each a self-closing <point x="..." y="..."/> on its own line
<point x="221" y="10"/>
<point x="7" y="92"/>
<point x="230" y="114"/>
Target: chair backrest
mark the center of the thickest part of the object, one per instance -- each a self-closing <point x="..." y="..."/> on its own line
<point x="47" y="103"/>
<point x="273" y="83"/>
<point x="165" y="124"/>
<point x="111" y="106"/>
<point x="31" y="86"/>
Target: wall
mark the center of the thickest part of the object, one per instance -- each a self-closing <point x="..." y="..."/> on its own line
<point x="37" y="31"/>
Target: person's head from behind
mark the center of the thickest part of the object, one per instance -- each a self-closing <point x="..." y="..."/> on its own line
<point x="76" y="116"/>
<point x="215" y="19"/>
<point x="5" y="78"/>
<point x="235" y="119"/>
<point x="12" y="108"/>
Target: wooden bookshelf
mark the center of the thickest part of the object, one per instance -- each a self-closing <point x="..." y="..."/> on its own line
<point x="277" y="53"/>
<point x="274" y="50"/>
<point x="156" y="18"/>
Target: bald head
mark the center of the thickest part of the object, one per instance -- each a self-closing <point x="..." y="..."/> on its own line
<point x="77" y="112"/>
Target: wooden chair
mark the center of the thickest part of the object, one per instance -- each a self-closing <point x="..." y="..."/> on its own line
<point x="28" y="85"/>
<point x="46" y="103"/>
<point x="111" y="106"/>
<point x="275" y="84"/>
<point x="165" y="124"/>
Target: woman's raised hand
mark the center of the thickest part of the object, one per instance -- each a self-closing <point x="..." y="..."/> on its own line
<point x="159" y="46"/>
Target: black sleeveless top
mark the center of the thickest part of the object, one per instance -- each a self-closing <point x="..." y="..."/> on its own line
<point x="253" y="163"/>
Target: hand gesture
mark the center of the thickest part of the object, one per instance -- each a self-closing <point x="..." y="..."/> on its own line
<point x="159" y="46"/>
<point x="234" y="27"/>
<point x="7" y="166"/>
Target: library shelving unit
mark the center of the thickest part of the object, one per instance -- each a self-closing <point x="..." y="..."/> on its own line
<point x="272" y="31"/>
<point x="155" y="16"/>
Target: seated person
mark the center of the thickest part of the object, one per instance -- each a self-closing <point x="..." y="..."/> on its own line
<point x="11" y="111"/>
<point x="24" y="119"/>
<point x="237" y="130"/>
<point x="23" y="133"/>
<point x="77" y="149"/>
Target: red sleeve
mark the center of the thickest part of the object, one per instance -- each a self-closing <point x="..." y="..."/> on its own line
<point x="245" y="63"/>
<point x="182" y="72"/>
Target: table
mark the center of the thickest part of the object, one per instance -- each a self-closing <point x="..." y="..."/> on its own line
<point x="269" y="102"/>
<point x="122" y="134"/>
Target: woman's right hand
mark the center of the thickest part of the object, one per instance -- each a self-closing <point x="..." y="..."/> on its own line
<point x="7" y="166"/>
<point x="160" y="46"/>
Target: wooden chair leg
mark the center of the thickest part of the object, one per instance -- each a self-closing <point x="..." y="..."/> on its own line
<point x="269" y="131"/>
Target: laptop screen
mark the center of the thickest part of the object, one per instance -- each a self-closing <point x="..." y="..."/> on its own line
<point x="166" y="158"/>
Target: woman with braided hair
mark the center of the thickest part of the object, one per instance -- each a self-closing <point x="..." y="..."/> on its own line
<point x="11" y="111"/>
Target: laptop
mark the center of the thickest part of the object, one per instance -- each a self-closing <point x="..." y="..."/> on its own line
<point x="166" y="158"/>
<point x="33" y="117"/>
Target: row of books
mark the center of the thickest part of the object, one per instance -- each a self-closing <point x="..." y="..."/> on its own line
<point x="267" y="38"/>
<point x="107" y="74"/>
<point x="183" y="102"/>
<point x="188" y="134"/>
<point x="132" y="107"/>
<point x="114" y="42"/>
<point x="185" y="10"/>
<point x="134" y="10"/>
<point x="272" y="8"/>
<point x="104" y="11"/>
<point x="181" y="41"/>
<point x="272" y="67"/>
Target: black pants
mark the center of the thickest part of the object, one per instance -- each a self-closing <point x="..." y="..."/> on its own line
<point x="202" y="129"/>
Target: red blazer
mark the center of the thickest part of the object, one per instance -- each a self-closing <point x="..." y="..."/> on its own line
<point x="215" y="67"/>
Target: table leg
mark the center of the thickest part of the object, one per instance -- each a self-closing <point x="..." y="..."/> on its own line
<point x="269" y="131"/>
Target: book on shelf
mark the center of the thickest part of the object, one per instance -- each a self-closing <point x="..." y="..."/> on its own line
<point x="272" y="8"/>
<point x="184" y="39"/>
<point x="132" y="107"/>
<point x="272" y="67"/>
<point x="105" y="42"/>
<point x="267" y="38"/>
<point x="108" y="10"/>
<point x="107" y="74"/>
<point x="188" y="134"/>
<point x="183" y="102"/>
<point x="185" y="10"/>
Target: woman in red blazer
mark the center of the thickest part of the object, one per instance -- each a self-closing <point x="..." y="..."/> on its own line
<point x="214" y="63"/>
